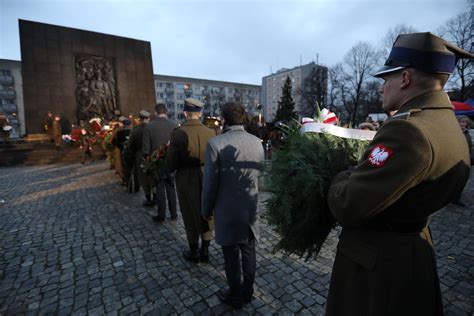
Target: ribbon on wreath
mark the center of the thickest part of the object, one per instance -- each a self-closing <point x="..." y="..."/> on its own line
<point x="327" y="125"/>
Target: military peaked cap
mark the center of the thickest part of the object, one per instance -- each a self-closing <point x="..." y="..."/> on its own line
<point x="193" y="105"/>
<point x="423" y="51"/>
<point x="144" y="114"/>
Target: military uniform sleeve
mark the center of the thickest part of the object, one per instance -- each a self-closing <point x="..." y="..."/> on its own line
<point x="210" y="181"/>
<point x="396" y="160"/>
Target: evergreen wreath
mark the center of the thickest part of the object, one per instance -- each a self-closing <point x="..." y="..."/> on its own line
<point x="299" y="180"/>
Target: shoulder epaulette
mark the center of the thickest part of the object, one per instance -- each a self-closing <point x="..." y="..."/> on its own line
<point x="405" y="115"/>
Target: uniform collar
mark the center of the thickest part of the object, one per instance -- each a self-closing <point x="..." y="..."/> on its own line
<point x="428" y="100"/>
<point x="233" y="128"/>
<point x="193" y="122"/>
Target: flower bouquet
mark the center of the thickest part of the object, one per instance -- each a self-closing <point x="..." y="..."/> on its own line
<point x="155" y="164"/>
<point x="67" y="139"/>
<point x="300" y="176"/>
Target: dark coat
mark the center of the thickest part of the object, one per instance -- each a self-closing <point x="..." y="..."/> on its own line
<point x="416" y="164"/>
<point x="156" y="133"/>
<point x="136" y="141"/>
<point x="121" y="137"/>
<point x="230" y="190"/>
<point x="136" y="151"/>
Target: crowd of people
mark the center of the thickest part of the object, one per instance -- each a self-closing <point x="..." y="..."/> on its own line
<point x="202" y="166"/>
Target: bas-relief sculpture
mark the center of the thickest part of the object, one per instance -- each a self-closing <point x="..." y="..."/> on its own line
<point x="95" y="87"/>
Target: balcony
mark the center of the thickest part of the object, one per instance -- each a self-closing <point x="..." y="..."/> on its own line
<point x="6" y="79"/>
<point x="7" y="93"/>
<point x="169" y="90"/>
<point x="9" y="107"/>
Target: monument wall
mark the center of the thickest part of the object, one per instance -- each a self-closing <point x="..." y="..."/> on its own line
<point x="80" y="74"/>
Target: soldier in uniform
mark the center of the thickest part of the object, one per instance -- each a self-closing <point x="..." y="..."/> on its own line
<point x="136" y="151"/>
<point x="186" y="156"/>
<point x="416" y="164"/>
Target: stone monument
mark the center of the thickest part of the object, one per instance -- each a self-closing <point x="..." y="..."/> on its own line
<point x="79" y="74"/>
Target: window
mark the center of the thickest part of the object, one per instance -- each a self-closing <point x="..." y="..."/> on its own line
<point x="179" y="86"/>
<point x="5" y="72"/>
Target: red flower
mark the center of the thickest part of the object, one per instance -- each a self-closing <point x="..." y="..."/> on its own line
<point x="95" y="126"/>
<point x="76" y="134"/>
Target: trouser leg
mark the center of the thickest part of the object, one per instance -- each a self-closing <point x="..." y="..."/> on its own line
<point x="248" y="268"/>
<point x="171" y="196"/>
<point x="232" y="268"/>
<point x="161" y="199"/>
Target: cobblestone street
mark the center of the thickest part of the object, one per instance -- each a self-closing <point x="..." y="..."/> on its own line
<point x="73" y="241"/>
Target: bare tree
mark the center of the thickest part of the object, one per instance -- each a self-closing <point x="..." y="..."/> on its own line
<point x="313" y="91"/>
<point x="337" y="95"/>
<point x="359" y="64"/>
<point x="458" y="30"/>
<point x="391" y="36"/>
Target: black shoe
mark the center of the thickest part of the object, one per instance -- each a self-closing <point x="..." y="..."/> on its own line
<point x="225" y="297"/>
<point x="191" y="256"/>
<point x="204" y="252"/>
<point x="203" y="259"/>
<point x="459" y="203"/>
<point x="158" y="219"/>
<point x="247" y="298"/>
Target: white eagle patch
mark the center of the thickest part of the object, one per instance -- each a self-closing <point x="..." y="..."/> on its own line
<point x="379" y="155"/>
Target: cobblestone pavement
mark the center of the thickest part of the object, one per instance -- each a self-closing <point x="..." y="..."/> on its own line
<point x="73" y="241"/>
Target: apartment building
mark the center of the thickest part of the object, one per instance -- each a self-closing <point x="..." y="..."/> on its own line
<point x="172" y="91"/>
<point x="273" y="83"/>
<point x="11" y="96"/>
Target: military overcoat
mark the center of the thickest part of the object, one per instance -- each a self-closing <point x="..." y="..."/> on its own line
<point x="416" y="164"/>
<point x="186" y="156"/>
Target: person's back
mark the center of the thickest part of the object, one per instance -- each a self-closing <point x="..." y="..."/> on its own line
<point x="121" y="137"/>
<point x="159" y="130"/>
<point x="136" y="140"/>
<point x="240" y="155"/>
<point x="197" y="136"/>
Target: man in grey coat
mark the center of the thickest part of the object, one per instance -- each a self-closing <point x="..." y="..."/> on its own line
<point x="155" y="134"/>
<point x="230" y="192"/>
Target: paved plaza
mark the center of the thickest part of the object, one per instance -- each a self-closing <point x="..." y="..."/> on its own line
<point x="73" y="241"/>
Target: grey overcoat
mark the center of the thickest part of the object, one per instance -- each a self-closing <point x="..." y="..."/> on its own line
<point x="230" y="189"/>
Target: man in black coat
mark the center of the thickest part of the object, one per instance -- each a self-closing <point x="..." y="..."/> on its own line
<point x="156" y="134"/>
<point x="136" y="151"/>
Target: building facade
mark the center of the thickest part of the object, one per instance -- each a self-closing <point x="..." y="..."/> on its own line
<point x="11" y="96"/>
<point x="309" y="83"/>
<point x="172" y="91"/>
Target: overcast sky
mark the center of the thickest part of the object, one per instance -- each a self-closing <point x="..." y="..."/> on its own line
<point x="231" y="40"/>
